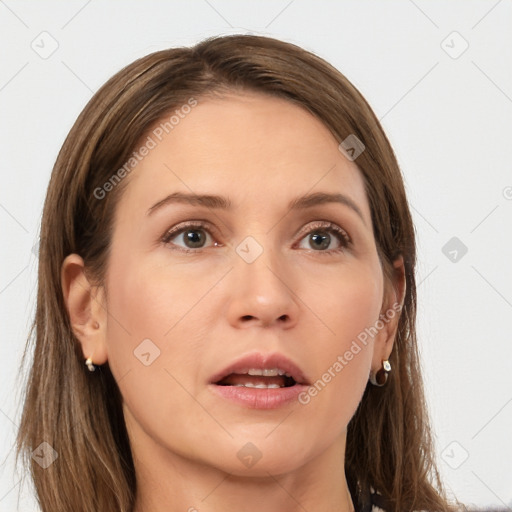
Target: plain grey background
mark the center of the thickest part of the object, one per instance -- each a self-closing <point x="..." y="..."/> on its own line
<point x="438" y="75"/>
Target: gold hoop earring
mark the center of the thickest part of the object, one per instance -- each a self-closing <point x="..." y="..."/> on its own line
<point x="381" y="376"/>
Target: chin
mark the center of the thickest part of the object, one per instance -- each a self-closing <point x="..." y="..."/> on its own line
<point x="260" y="457"/>
<point x="271" y="467"/>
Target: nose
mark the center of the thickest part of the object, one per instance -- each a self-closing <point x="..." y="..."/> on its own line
<point x="262" y="294"/>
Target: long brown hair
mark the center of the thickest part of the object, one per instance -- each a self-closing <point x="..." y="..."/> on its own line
<point x="389" y="444"/>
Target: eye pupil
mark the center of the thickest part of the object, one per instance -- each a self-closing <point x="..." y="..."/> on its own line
<point x="321" y="241"/>
<point x="194" y="238"/>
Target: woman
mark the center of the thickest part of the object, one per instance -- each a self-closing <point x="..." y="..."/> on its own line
<point x="226" y="245"/>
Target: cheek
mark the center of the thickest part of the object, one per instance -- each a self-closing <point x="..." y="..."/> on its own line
<point x="153" y="325"/>
<point x="346" y="300"/>
<point x="152" y="345"/>
<point x="139" y="309"/>
<point x="348" y="306"/>
<point x="150" y="300"/>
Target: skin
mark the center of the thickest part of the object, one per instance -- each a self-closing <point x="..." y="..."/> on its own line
<point x="204" y="309"/>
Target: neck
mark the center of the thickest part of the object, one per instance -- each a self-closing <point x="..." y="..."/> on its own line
<point x="167" y="482"/>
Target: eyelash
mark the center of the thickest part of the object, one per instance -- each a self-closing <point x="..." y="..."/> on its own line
<point x="326" y="226"/>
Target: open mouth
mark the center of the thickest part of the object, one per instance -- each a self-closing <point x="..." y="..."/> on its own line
<point x="261" y="379"/>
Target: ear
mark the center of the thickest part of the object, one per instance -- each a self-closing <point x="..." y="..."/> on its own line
<point x="392" y="304"/>
<point x="86" y="308"/>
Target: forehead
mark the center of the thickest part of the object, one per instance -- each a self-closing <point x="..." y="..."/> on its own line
<point x="253" y="148"/>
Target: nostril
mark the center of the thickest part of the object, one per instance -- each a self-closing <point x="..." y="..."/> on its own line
<point x="282" y="318"/>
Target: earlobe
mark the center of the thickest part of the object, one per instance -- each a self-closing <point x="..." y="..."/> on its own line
<point x="86" y="309"/>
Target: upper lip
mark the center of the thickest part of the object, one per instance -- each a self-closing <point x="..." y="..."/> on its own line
<point x="262" y="361"/>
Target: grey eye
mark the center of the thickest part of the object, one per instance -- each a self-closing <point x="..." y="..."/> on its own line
<point x="318" y="240"/>
<point x="191" y="238"/>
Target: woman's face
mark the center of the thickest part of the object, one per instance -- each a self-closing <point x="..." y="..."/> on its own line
<point x="244" y="273"/>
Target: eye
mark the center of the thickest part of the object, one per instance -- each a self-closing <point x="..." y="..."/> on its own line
<point x="325" y="237"/>
<point x="190" y="236"/>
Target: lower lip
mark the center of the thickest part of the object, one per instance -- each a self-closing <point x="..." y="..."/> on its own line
<point x="259" y="398"/>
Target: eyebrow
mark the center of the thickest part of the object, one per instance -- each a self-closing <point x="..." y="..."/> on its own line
<point x="319" y="198"/>
<point x="223" y="203"/>
<point x="210" y="201"/>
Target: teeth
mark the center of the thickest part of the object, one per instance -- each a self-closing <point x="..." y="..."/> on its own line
<point x="267" y="372"/>
<point x="260" y="386"/>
